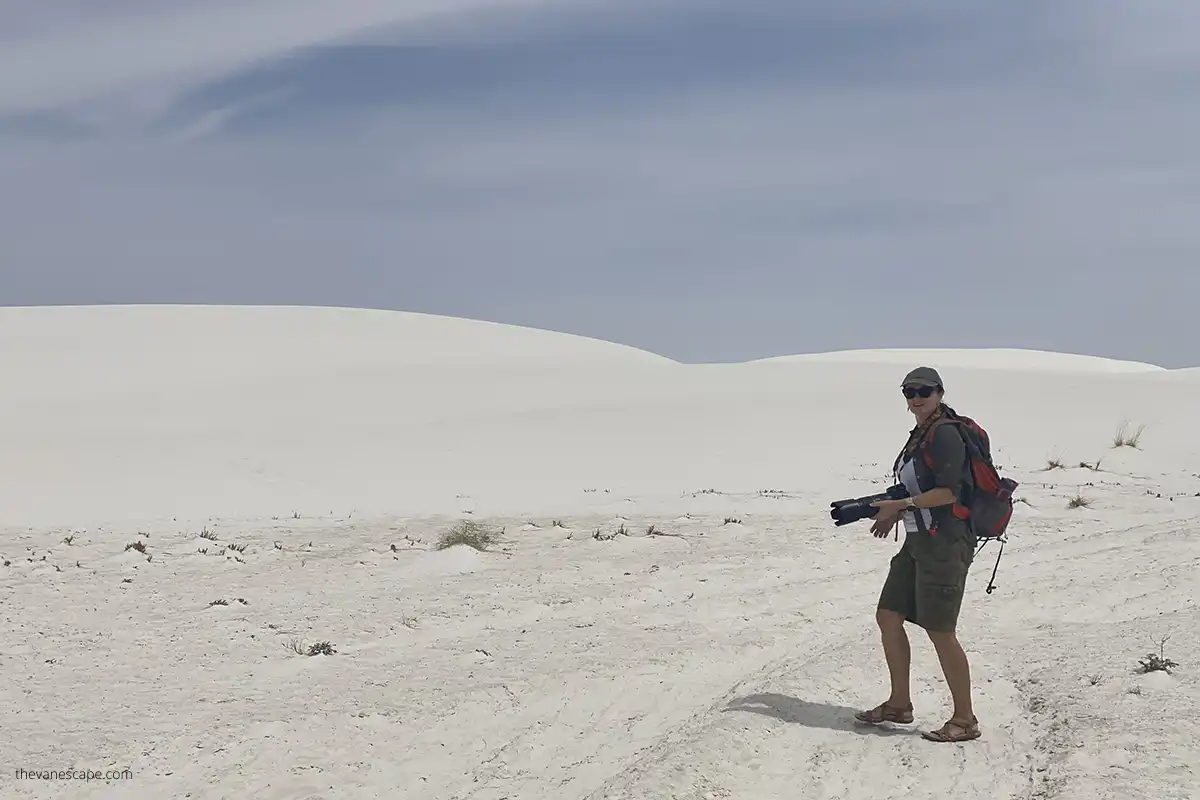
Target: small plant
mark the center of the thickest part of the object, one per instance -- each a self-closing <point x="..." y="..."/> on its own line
<point x="69" y="539"/>
<point x="604" y="537"/>
<point x="1079" y="501"/>
<point x="1123" y="438"/>
<point x="220" y="601"/>
<point x="471" y="533"/>
<point x="139" y="545"/>
<point x="1156" y="662"/>
<point x="207" y="534"/>
<point x="318" y="649"/>
<point x="732" y="520"/>
<point x="238" y="548"/>
<point x="1053" y="463"/>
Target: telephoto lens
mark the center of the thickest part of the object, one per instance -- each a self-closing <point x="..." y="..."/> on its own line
<point x="844" y="512"/>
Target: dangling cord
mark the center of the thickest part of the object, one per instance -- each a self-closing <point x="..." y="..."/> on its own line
<point x="992" y="583"/>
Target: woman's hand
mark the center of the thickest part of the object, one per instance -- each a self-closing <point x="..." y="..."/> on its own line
<point x="889" y="514"/>
<point x="890" y="508"/>
<point x="881" y="528"/>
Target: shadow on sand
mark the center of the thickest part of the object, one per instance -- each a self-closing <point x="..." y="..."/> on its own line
<point x="814" y="715"/>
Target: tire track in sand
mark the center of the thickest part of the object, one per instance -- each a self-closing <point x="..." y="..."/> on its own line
<point x="788" y="731"/>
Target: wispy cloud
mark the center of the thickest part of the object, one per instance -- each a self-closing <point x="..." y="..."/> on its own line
<point x="79" y="52"/>
<point x="709" y="180"/>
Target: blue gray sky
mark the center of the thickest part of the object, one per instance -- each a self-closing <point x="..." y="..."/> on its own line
<point x="712" y="181"/>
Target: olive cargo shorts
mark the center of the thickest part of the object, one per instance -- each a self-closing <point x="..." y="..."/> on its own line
<point x="927" y="579"/>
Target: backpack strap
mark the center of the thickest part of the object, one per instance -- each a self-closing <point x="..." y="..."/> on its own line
<point x="973" y="450"/>
<point x="958" y="509"/>
<point x="927" y="437"/>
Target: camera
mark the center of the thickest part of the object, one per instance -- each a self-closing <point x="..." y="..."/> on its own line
<point x="853" y="509"/>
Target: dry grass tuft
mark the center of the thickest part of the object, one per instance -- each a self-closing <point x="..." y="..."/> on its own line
<point x="1123" y="438"/>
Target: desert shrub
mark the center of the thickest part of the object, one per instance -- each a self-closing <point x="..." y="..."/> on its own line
<point x="317" y="649"/>
<point x="1156" y="662"/>
<point x="471" y="533"/>
<point x="1079" y="501"/>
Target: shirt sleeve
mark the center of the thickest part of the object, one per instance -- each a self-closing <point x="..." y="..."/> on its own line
<point x="948" y="452"/>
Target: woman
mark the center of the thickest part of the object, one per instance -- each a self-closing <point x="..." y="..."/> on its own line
<point x="927" y="576"/>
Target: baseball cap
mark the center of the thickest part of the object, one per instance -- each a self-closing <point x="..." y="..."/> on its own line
<point x="923" y="376"/>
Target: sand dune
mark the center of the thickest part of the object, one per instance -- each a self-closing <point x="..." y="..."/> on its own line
<point x="975" y="358"/>
<point x="190" y="495"/>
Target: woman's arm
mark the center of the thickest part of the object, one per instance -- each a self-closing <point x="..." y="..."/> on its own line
<point x="948" y="452"/>
<point x="941" y="496"/>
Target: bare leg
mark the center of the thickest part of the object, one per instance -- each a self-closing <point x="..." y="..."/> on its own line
<point x="957" y="671"/>
<point x="898" y="654"/>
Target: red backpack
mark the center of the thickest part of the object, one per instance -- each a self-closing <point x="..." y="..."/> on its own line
<point x="990" y="506"/>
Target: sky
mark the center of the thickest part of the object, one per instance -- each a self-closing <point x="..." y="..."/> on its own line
<point x="711" y="181"/>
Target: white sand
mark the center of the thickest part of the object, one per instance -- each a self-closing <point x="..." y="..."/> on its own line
<point x="719" y="661"/>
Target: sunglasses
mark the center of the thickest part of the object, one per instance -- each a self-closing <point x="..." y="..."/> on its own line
<point x="918" y="391"/>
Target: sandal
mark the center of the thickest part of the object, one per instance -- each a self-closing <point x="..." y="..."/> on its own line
<point x="886" y="713"/>
<point x="965" y="730"/>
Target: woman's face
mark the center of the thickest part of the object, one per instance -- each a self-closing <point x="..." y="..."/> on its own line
<point x="922" y="400"/>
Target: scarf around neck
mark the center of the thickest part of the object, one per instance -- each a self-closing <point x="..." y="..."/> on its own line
<point x="915" y="435"/>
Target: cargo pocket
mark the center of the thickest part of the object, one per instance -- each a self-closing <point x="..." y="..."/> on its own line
<point x="943" y="565"/>
<point x="941" y="581"/>
<point x="947" y="550"/>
